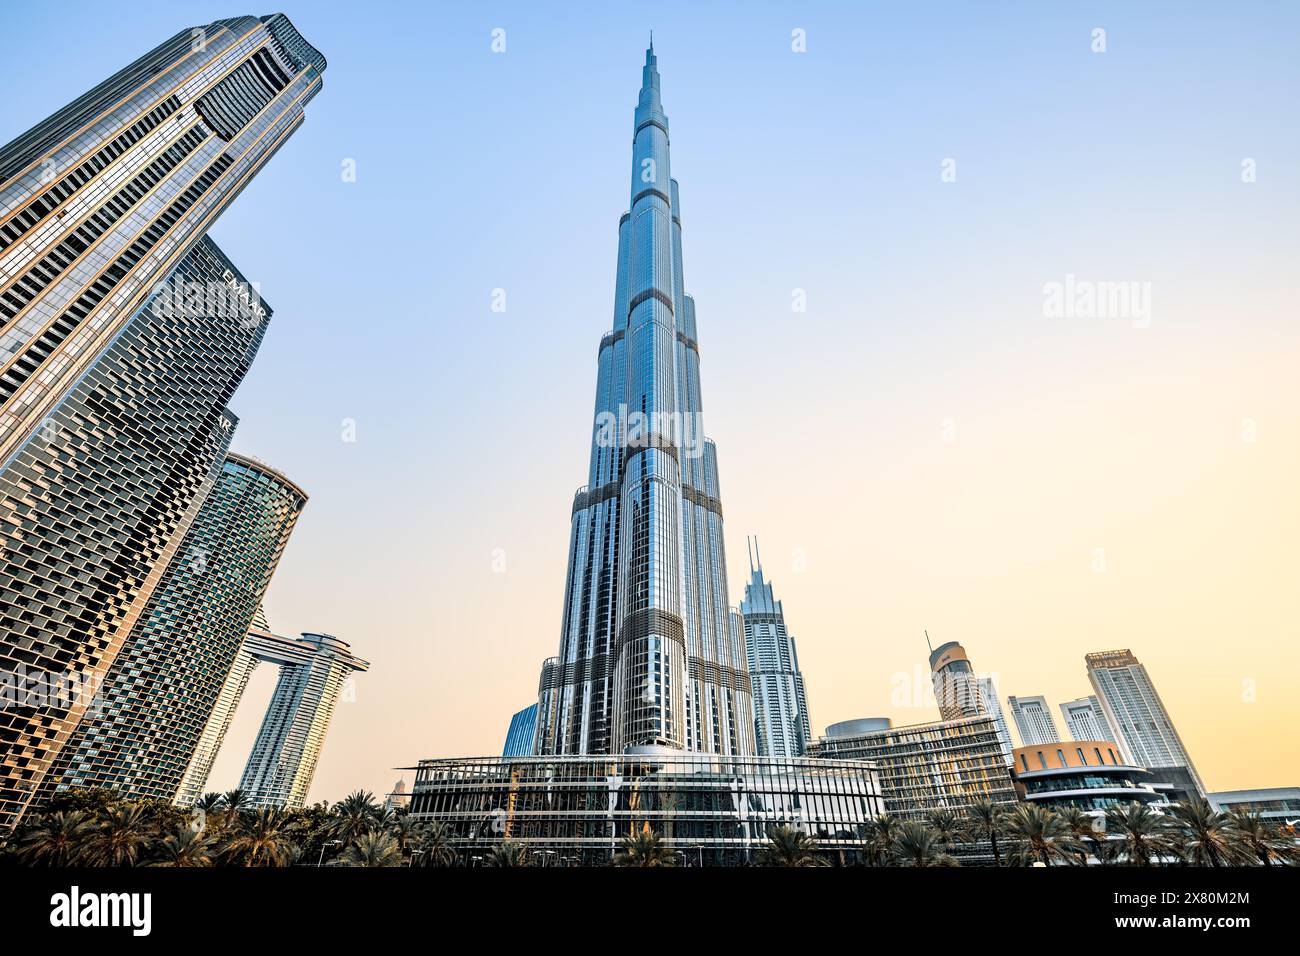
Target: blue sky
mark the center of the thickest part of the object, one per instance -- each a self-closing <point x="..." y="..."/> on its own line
<point x="818" y="171"/>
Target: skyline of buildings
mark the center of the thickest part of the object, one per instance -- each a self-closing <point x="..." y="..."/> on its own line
<point x="221" y="112"/>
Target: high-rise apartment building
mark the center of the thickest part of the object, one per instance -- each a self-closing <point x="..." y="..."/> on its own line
<point x="960" y="692"/>
<point x="1034" y="720"/>
<point x="648" y="654"/>
<point x="312" y="678"/>
<point x="1085" y="720"/>
<point x="781" y="725"/>
<point x="109" y="426"/>
<point x="166" y="681"/>
<point x="1135" y="711"/>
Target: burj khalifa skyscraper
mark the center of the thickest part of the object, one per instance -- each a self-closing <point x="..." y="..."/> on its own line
<point x="651" y="656"/>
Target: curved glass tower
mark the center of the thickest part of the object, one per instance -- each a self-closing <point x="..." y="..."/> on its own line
<point x="649" y="655"/>
<point x="163" y="686"/>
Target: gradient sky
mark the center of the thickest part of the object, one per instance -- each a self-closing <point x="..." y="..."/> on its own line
<point x="921" y="448"/>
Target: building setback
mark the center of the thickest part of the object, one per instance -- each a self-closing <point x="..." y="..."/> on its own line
<point x="105" y="444"/>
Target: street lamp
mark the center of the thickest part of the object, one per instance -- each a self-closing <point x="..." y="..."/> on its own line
<point x="328" y="843"/>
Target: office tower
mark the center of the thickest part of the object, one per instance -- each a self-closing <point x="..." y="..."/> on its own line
<point x="1034" y="720"/>
<point x="283" y="760"/>
<point x="1085" y="720"/>
<point x="961" y="693"/>
<point x="99" y="204"/>
<point x="166" y="681"/>
<point x="1134" y="709"/>
<point x="520" y="736"/>
<point x="648" y="656"/>
<point x="781" y="727"/>
<point x="948" y="764"/>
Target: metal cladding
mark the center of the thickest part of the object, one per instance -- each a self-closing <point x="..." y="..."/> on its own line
<point x="112" y="415"/>
<point x="166" y="681"/>
<point x="648" y="653"/>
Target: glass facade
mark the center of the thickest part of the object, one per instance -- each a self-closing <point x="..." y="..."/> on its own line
<point x="649" y="653"/>
<point x="521" y="737"/>
<point x="1137" y="714"/>
<point x="99" y="204"/>
<point x="923" y="767"/>
<point x="711" y="809"/>
<point x="167" y="679"/>
<point x="781" y="724"/>
<point x="313" y="674"/>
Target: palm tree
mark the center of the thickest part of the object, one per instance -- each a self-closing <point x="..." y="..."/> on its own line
<point x="1207" y="837"/>
<point x="185" y="847"/>
<point x="374" y="848"/>
<point x="1142" y="838"/>
<point x="435" y="844"/>
<point x="1082" y="827"/>
<point x="788" y="846"/>
<point x="917" y="844"/>
<point x="644" y="849"/>
<point x="261" y="841"/>
<point x="1041" y="836"/>
<point x="508" y="853"/>
<point x="123" y="833"/>
<point x="986" y="819"/>
<point x="56" y="839"/>
<point x="235" y="801"/>
<point x="879" y="838"/>
<point x="1259" y="840"/>
<point x="406" y="829"/>
<point x="946" y="825"/>
<point x="209" y="802"/>
<point x="356" y="814"/>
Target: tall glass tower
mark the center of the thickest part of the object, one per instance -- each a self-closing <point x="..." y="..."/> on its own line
<point x="781" y="724"/>
<point x="284" y="756"/>
<point x="109" y="429"/>
<point x="1135" y="711"/>
<point x="166" y="681"/>
<point x="648" y="653"/>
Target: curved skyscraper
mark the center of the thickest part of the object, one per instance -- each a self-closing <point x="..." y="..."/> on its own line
<point x="648" y="656"/>
<point x="110" y="425"/>
<point x="167" y="679"/>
